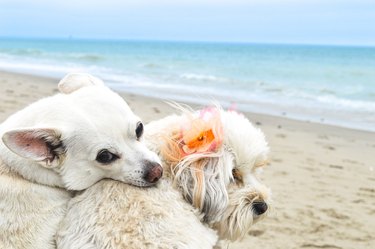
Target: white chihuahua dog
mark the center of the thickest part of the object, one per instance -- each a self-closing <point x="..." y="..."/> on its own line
<point x="64" y="143"/>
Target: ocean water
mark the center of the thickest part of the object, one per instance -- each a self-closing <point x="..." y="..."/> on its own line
<point x="327" y="84"/>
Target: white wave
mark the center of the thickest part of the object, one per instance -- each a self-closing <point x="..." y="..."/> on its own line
<point x="342" y="103"/>
<point x="202" y="77"/>
<point x="48" y="68"/>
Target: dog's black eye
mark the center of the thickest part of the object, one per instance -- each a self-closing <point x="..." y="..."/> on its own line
<point x="237" y="175"/>
<point x="139" y="130"/>
<point x="105" y="157"/>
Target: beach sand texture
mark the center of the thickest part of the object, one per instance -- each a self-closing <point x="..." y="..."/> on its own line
<point x="322" y="177"/>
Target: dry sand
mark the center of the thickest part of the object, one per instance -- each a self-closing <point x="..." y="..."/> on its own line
<point x="322" y="177"/>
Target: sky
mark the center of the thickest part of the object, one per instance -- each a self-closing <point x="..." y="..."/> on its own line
<point x="340" y="22"/>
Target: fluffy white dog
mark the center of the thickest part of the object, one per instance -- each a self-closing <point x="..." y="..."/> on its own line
<point x="62" y="143"/>
<point x="214" y="158"/>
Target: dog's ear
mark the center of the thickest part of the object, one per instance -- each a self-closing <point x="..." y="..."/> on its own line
<point x="75" y="81"/>
<point x="42" y="145"/>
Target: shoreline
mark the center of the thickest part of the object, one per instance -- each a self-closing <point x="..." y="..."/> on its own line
<point x="322" y="177"/>
<point x="285" y="119"/>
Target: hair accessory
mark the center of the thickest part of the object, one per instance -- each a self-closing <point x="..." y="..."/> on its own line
<point x="203" y="134"/>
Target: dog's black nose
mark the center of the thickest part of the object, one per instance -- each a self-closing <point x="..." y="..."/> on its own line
<point x="154" y="172"/>
<point x="260" y="207"/>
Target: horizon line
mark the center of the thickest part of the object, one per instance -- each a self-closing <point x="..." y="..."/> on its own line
<point x="187" y="41"/>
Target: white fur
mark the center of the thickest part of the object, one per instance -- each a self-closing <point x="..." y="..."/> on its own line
<point x="244" y="149"/>
<point x="29" y="212"/>
<point x="50" y="147"/>
<point x="113" y="215"/>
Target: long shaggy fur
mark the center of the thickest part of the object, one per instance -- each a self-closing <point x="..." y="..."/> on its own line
<point x="113" y="215"/>
<point x="219" y="183"/>
<point x="202" y="182"/>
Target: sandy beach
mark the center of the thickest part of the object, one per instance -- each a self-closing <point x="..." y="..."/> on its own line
<point x="322" y="177"/>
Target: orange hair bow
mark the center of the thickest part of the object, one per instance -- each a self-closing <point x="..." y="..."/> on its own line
<point x="203" y="134"/>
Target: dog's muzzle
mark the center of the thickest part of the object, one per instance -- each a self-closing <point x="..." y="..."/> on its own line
<point x="154" y="172"/>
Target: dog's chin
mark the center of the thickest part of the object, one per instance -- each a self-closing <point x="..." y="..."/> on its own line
<point x="239" y="215"/>
<point x="142" y="184"/>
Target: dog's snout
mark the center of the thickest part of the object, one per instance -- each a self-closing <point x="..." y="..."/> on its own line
<point x="260" y="207"/>
<point x="154" y="172"/>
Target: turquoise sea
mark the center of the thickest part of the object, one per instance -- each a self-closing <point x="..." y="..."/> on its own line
<point x="328" y="84"/>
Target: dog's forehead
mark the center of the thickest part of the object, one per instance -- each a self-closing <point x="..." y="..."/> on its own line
<point x="247" y="142"/>
<point x="100" y="98"/>
<point x="101" y="102"/>
<point x="100" y="109"/>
